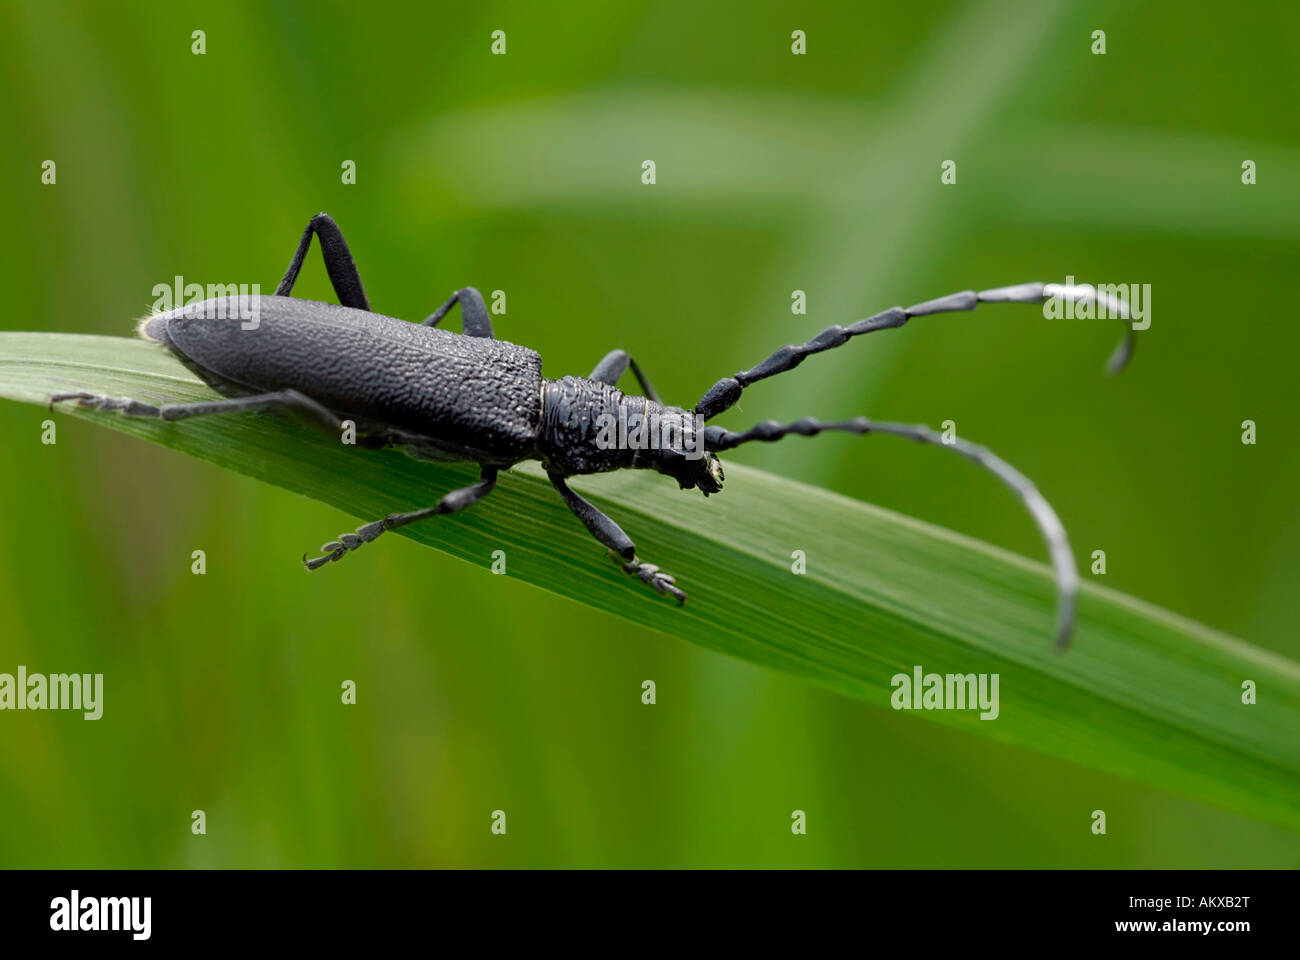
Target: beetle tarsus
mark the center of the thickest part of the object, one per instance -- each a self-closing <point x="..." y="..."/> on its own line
<point x="649" y="573"/>
<point x="453" y="502"/>
<point x="106" y="404"/>
<point x="317" y="562"/>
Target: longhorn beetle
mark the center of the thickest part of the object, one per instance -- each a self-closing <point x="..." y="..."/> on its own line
<point x="470" y="397"/>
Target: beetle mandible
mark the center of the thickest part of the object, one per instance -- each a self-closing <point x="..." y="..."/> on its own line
<point x="470" y="397"/>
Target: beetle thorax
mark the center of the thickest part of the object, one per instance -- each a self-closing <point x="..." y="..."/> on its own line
<point x="592" y="427"/>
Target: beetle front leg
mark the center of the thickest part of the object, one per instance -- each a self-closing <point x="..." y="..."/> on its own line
<point x="452" y="503"/>
<point x="611" y="535"/>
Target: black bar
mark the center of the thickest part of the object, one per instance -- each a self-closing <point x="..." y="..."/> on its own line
<point x="969" y="909"/>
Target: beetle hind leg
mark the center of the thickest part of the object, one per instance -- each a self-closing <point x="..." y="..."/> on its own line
<point x="340" y="266"/>
<point x="98" y="401"/>
<point x="283" y="399"/>
<point x="453" y="502"/>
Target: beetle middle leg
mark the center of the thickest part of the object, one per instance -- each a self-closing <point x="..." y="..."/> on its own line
<point x="611" y="535"/>
<point x="614" y="365"/>
<point x="474" y="319"/>
<point x="453" y="502"/>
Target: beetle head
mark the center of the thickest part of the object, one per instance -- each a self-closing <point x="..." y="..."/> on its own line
<point x="704" y="472"/>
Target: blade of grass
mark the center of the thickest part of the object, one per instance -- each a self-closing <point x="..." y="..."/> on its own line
<point x="1143" y="693"/>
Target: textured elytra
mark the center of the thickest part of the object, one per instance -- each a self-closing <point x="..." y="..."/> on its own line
<point x="474" y="392"/>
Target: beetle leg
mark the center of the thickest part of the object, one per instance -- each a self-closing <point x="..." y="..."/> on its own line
<point x="474" y="319"/>
<point x="338" y="263"/>
<point x="614" y="365"/>
<point x="724" y="394"/>
<point x="290" y="399"/>
<point x="453" y="502"/>
<point x="611" y="535"/>
<point x="97" y="401"/>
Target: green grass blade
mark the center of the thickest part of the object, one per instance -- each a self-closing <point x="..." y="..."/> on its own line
<point x="1142" y="693"/>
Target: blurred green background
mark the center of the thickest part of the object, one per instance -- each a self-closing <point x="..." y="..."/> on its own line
<point x="522" y="172"/>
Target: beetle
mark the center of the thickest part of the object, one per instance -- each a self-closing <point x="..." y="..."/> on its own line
<point x="440" y="395"/>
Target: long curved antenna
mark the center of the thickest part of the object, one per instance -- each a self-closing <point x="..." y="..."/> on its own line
<point x="1087" y="293"/>
<point x="724" y="394"/>
<point x="1049" y="524"/>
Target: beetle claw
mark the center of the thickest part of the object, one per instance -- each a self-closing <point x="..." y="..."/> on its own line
<point x="333" y="551"/>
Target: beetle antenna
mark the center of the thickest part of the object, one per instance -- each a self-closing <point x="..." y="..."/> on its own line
<point x="1049" y="524"/>
<point x="724" y="394"/>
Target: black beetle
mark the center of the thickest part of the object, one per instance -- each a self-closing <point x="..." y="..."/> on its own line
<point x="469" y="397"/>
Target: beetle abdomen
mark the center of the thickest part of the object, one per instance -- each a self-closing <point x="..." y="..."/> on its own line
<point x="472" y="392"/>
